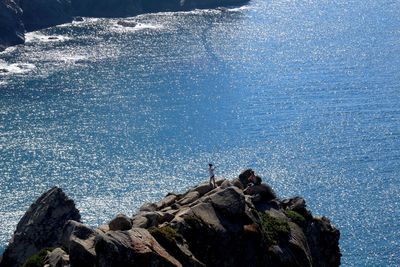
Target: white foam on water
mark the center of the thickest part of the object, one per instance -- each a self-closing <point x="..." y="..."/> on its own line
<point x="8" y="50"/>
<point x="73" y="58"/>
<point x="238" y="9"/>
<point x="15" y="68"/>
<point x="32" y="37"/>
<point x="135" y="27"/>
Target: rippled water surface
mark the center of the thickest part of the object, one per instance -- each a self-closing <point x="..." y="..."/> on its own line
<point x="305" y="92"/>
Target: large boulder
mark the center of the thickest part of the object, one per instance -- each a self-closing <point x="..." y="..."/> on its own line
<point x="11" y="26"/>
<point x="57" y="258"/>
<point x="39" y="14"/>
<point x="79" y="241"/>
<point x="135" y="247"/>
<point x="121" y="222"/>
<point x="40" y="227"/>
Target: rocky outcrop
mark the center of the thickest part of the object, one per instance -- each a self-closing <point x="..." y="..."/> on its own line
<point x="18" y="16"/>
<point x="40" y="14"/>
<point x="40" y="227"/>
<point x="235" y="224"/>
<point x="11" y="27"/>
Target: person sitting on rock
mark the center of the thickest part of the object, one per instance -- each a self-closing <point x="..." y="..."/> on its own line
<point x="244" y="177"/>
<point x="252" y="178"/>
<point x="211" y="170"/>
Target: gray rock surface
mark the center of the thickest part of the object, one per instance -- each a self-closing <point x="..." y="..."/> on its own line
<point x="40" y="227"/>
<point x="135" y="247"/>
<point x="57" y="258"/>
<point x="79" y="241"/>
<point x="121" y="222"/>
<point x="11" y="26"/>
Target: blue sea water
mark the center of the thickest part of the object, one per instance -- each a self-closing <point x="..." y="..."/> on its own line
<point x="305" y="92"/>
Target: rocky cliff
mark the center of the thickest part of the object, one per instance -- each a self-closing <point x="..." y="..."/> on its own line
<point x="39" y="14"/>
<point x="234" y="224"/>
<point x="11" y="27"/>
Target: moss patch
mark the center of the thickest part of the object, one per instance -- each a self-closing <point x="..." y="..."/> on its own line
<point x="295" y="217"/>
<point x="37" y="260"/>
<point x="273" y="229"/>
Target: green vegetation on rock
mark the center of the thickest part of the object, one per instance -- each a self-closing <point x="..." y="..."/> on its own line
<point x="37" y="260"/>
<point x="273" y="229"/>
<point x="295" y="217"/>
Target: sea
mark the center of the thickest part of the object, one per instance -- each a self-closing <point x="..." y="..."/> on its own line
<point x="119" y="112"/>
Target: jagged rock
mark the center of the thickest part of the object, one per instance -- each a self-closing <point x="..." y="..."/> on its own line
<point x="299" y="246"/>
<point x="230" y="201"/>
<point x="11" y="26"/>
<point x="40" y="227"/>
<point x="57" y="258"/>
<point x="121" y="222"/>
<point x="39" y="14"/>
<point x="226" y="184"/>
<point x="139" y="221"/>
<point x="323" y="239"/>
<point x="189" y="198"/>
<point x="297" y="204"/>
<point x="135" y="247"/>
<point x="202" y="189"/>
<point x="237" y="183"/>
<point x="148" y="219"/>
<point x="265" y="191"/>
<point x="127" y="23"/>
<point x="148" y="207"/>
<point x="79" y="239"/>
<point x="224" y="226"/>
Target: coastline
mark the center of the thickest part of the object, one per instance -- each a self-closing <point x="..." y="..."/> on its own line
<point x="18" y="18"/>
<point x="235" y="223"/>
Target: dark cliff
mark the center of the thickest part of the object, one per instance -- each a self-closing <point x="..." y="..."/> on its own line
<point x="18" y="16"/>
<point x="230" y="225"/>
<point x="11" y="26"/>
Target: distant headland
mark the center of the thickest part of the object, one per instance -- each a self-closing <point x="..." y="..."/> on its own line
<point x="234" y="223"/>
<point x="20" y="16"/>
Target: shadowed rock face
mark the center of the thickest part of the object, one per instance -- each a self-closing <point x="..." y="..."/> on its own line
<point x="231" y="225"/>
<point x="40" y="227"/>
<point x="39" y="14"/>
<point x="11" y="27"/>
<point x="107" y="8"/>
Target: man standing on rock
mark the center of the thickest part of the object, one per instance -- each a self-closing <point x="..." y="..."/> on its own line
<point x="211" y="170"/>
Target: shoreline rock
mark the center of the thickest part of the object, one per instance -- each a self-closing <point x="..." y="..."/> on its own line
<point x="11" y="27"/>
<point x="205" y="226"/>
<point x="40" y="227"/>
<point x="20" y="16"/>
